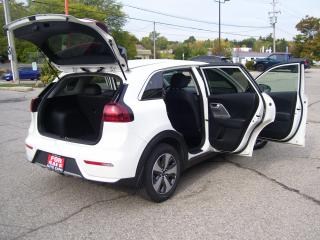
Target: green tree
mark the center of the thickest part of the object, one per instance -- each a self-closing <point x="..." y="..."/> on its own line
<point x="17" y="10"/>
<point x="309" y="26"/>
<point x="248" y="42"/>
<point x="182" y="51"/>
<point x="307" y="44"/>
<point x="226" y="48"/>
<point x="146" y="42"/>
<point x="127" y="40"/>
<point x="114" y="15"/>
<point x="162" y="43"/>
<point x="191" y="39"/>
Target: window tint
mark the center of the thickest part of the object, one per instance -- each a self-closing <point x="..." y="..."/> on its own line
<point x="161" y="81"/>
<point x="74" y="85"/>
<point x="106" y="82"/>
<point x="273" y="57"/>
<point x="72" y="45"/>
<point x="227" y="80"/>
<point x="187" y="73"/>
<point x="281" y="79"/>
<point x="154" y="87"/>
<point x="281" y="57"/>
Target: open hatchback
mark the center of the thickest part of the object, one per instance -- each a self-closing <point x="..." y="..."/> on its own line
<point x="70" y="42"/>
<point x="92" y="74"/>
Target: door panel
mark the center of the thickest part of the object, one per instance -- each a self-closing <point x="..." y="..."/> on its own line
<point x="237" y="109"/>
<point x="285" y="85"/>
<point x="225" y="134"/>
<point x="285" y="108"/>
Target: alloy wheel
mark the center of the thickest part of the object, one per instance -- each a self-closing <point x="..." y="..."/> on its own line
<point x="164" y="173"/>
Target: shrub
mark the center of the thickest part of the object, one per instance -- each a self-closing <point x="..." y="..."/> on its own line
<point x="47" y="73"/>
<point x="249" y="65"/>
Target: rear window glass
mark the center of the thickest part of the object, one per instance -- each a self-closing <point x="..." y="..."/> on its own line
<point x="71" y="45"/>
<point x="89" y="85"/>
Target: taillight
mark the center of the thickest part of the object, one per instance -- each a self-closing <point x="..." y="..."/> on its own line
<point x="117" y="112"/>
<point x="34" y="104"/>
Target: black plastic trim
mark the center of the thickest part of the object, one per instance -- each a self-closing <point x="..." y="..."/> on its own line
<point x="160" y="138"/>
<point x="70" y="165"/>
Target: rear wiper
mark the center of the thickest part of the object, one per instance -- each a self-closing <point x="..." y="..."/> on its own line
<point x="53" y="69"/>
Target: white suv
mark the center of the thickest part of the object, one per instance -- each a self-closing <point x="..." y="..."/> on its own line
<point x="103" y="121"/>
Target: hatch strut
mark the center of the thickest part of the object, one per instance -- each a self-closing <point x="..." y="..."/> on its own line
<point x="119" y="64"/>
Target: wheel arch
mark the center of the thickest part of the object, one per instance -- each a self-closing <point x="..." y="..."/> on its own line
<point x="170" y="137"/>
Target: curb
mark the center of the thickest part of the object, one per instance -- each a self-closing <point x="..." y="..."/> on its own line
<point x="17" y="89"/>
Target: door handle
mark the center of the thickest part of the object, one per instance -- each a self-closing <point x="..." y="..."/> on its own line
<point x="219" y="111"/>
<point x="215" y="105"/>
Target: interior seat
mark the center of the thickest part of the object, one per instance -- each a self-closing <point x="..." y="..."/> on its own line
<point x="92" y="90"/>
<point x="184" y="110"/>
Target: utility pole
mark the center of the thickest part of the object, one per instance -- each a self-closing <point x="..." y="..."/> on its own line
<point x="220" y="1"/>
<point x="154" y="40"/>
<point x="11" y="47"/>
<point x="273" y="21"/>
<point x="66" y="7"/>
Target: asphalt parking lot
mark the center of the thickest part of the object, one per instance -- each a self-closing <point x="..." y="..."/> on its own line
<point x="274" y="195"/>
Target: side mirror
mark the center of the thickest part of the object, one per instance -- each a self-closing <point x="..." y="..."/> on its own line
<point x="265" y="88"/>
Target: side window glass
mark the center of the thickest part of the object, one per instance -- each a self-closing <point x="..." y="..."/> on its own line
<point x="227" y="81"/>
<point x="273" y="57"/>
<point x="161" y="81"/>
<point x="281" y="57"/>
<point x="154" y="87"/>
<point x="191" y="87"/>
<point x="280" y="79"/>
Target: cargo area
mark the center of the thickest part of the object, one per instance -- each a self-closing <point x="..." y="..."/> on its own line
<point x="73" y="110"/>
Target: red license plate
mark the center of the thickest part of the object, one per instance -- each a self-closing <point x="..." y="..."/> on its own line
<point x="55" y="163"/>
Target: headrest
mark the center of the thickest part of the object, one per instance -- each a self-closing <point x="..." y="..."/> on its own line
<point x="178" y="80"/>
<point x="92" y="89"/>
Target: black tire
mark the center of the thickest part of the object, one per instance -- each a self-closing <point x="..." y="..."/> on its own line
<point x="260" y="67"/>
<point x="156" y="177"/>
<point x="260" y="143"/>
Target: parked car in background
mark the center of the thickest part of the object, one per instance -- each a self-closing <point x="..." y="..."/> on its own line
<point x="276" y="58"/>
<point x="2" y="59"/>
<point x="103" y="122"/>
<point x="25" y="73"/>
<point x="211" y="59"/>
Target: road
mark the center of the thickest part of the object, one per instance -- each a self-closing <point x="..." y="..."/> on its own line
<point x="273" y="195"/>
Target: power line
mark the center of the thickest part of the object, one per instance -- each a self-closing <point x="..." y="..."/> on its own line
<point x="190" y="19"/>
<point x="157" y="22"/>
<point x="150" y="21"/>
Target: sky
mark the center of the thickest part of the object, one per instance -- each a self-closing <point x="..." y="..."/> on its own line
<point x="253" y="13"/>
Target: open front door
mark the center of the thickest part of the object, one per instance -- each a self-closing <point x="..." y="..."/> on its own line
<point x="285" y="85"/>
<point x="237" y="110"/>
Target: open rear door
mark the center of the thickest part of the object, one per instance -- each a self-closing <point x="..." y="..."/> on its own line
<point x="237" y="110"/>
<point x="285" y="85"/>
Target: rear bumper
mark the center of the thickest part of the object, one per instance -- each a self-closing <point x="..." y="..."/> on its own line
<point x="70" y="166"/>
<point x="122" y="156"/>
